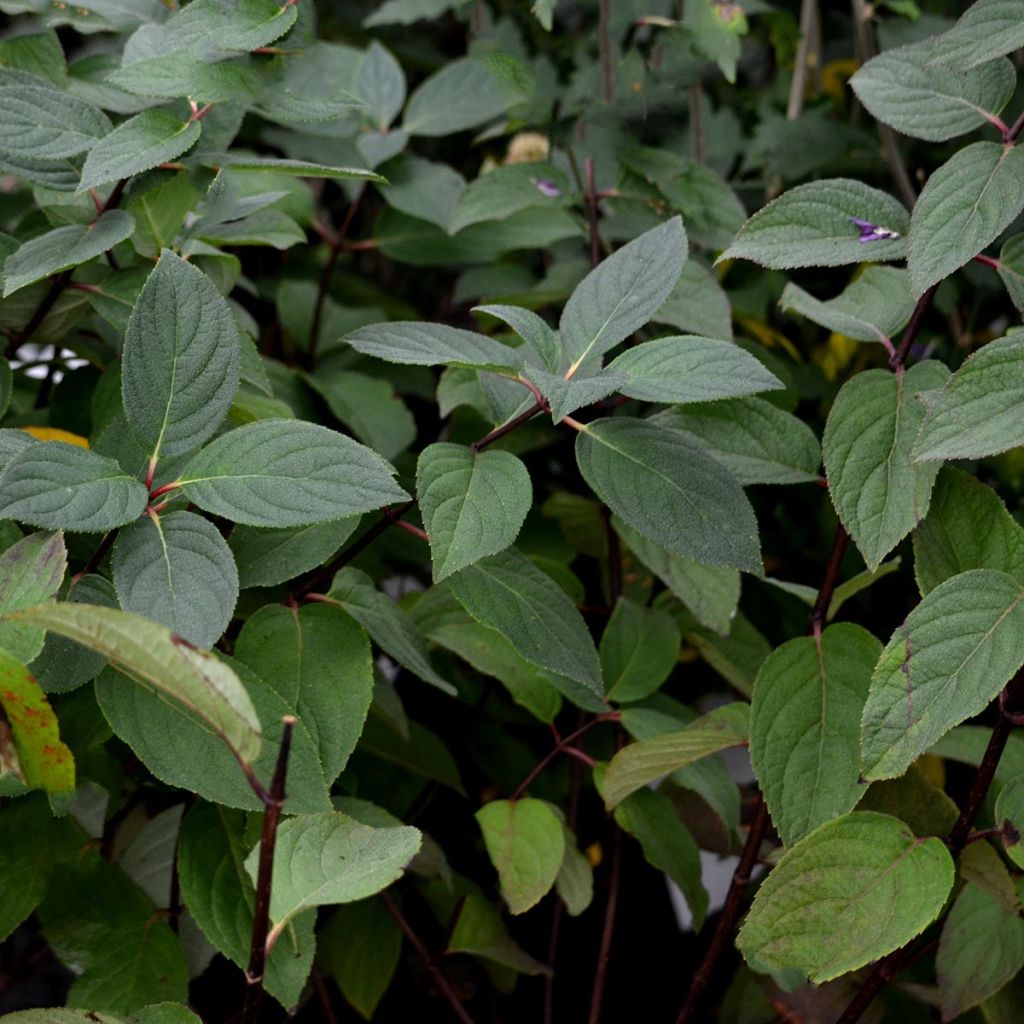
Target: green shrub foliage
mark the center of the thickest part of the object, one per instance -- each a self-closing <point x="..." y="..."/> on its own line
<point x="467" y="465"/>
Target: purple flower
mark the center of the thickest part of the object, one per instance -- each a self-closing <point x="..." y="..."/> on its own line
<point x="872" y="232"/>
<point x="546" y="187"/>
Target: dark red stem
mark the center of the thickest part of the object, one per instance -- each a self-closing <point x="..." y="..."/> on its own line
<point x="337" y="245"/>
<point x="828" y="585"/>
<point x="273" y="800"/>
<point x="435" y="972"/>
<point x="729" y="916"/>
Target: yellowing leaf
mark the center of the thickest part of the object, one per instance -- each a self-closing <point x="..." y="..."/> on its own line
<point x="45" y="762"/>
<point x="55" y="434"/>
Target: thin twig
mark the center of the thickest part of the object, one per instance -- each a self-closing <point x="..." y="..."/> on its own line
<point x="828" y="585"/>
<point x="506" y="428"/>
<point x="607" y="929"/>
<point x="604" y="49"/>
<point x="564" y="743"/>
<point x="322" y="993"/>
<point x="994" y="832"/>
<point x="572" y="815"/>
<point x="273" y="800"/>
<point x="698" y="133"/>
<point x="1015" y="129"/>
<point x="435" y="972"/>
<point x="798" y="85"/>
<point x="729" y="916"/>
<point x="899" y="358"/>
<point x="97" y="556"/>
<point x="327" y="572"/>
<point x="337" y="245"/>
<point x="591" y="203"/>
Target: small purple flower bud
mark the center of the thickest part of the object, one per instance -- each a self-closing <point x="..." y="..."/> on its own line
<point x="872" y="232"/>
<point x="546" y="187"/>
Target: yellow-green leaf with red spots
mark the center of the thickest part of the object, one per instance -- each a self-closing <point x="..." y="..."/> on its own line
<point x="45" y="762"/>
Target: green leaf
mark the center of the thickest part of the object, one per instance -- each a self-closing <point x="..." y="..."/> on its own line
<point x="949" y="540"/>
<point x="288" y="473"/>
<point x="756" y="441"/>
<point x="953" y="654"/>
<point x="318" y="659"/>
<point x="148" y="859"/>
<point x="697" y="305"/>
<point x="688" y="368"/>
<point x="179" y="370"/>
<point x="481" y="932"/>
<point x="667" y="844"/>
<point x="473" y="503"/>
<point x="331" y="858"/>
<point x="575" y="881"/>
<point x="986" y="30"/>
<point x="981" y="949"/>
<point x="503" y="191"/>
<point x="424" y="344"/>
<point x="1011" y="269"/>
<point x="805" y="727"/>
<point x="1009" y="815"/>
<point x="813" y="225"/>
<point x="265" y="557"/>
<point x="879" y="493"/>
<point x="566" y="396"/>
<point x="177" y="570"/>
<point x="241" y="163"/>
<point x="532" y="329"/>
<point x="219" y="894"/>
<point x="381" y="86"/>
<point x="31" y="570"/>
<point x="507" y="592"/>
<point x="665" y="487"/>
<point x="907" y="90"/>
<point x="709" y="591"/>
<point x="157" y="660"/>
<point x="423" y="189"/>
<point x="966" y="204"/>
<point x="639" y="648"/>
<point x="164" y="1013"/>
<point x="388" y="624"/>
<point x="487" y="651"/>
<point x="60" y="486"/>
<point x="464" y="93"/>
<point x="369" y="407"/>
<point x="126" y="956"/>
<point x="622" y="293"/>
<point x="361" y="946"/>
<point x="44" y="762"/>
<point x="977" y="413"/>
<point x="63" y="248"/>
<point x="644" y="762"/>
<point x="180" y="750"/>
<point x="853" y="890"/>
<point x="160" y="213"/>
<point x="873" y="307"/>
<point x="42" y="123"/>
<point x="144" y="141"/>
<point x="63" y="665"/>
<point x="526" y="843"/>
